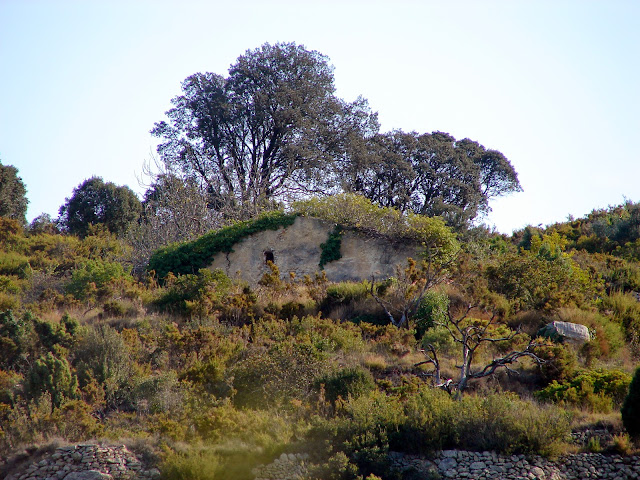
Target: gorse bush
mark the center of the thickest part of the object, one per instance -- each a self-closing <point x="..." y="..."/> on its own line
<point x="345" y="383"/>
<point x="194" y="294"/>
<point x="93" y="278"/>
<point x="597" y="390"/>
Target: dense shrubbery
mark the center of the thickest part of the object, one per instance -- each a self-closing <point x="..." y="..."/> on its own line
<point x="597" y="390"/>
<point x="215" y="376"/>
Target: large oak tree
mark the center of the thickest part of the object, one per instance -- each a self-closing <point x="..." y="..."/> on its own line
<point x="267" y="132"/>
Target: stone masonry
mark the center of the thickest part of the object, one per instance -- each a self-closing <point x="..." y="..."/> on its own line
<point x="87" y="462"/>
<point x="457" y="464"/>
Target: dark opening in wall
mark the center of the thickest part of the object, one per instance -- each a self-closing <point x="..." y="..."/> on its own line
<point x="268" y="256"/>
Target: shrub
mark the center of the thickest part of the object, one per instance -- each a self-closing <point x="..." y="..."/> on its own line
<point x="52" y="375"/>
<point x="103" y="355"/>
<point x="93" y="277"/>
<point x="194" y="294"/>
<point x="432" y="310"/>
<point x="346" y="382"/>
<point x="285" y="371"/>
<point x="598" y="390"/>
<point x="631" y="407"/>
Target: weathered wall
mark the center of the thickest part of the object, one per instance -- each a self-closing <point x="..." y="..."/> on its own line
<point x="297" y="249"/>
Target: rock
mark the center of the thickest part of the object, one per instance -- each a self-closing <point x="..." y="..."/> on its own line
<point x="571" y="332"/>
<point x="88" y="475"/>
<point x="447" y="463"/>
<point x="538" y="473"/>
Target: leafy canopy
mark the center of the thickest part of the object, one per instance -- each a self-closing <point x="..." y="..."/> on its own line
<point x="95" y="202"/>
<point x="13" y="200"/>
<point x="265" y="132"/>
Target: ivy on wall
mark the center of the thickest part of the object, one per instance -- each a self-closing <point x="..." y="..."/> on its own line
<point x="331" y="248"/>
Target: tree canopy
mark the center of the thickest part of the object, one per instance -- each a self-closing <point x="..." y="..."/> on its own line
<point x="13" y="200"/>
<point x="266" y="132"/>
<point x="95" y="202"/>
<point x="429" y="174"/>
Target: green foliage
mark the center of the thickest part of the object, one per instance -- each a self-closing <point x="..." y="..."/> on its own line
<point x="559" y="362"/>
<point x="13" y="200"/>
<point x="190" y="257"/>
<point x="346" y="382"/>
<point x="194" y="294"/>
<point x="542" y="277"/>
<point x="330" y="250"/>
<point x="631" y="407"/>
<point x="53" y="375"/>
<point x="597" y="390"/>
<point x="355" y="211"/>
<point x="13" y="263"/>
<point x="93" y="278"/>
<point x="95" y="202"/>
<point x="432" y="310"/>
<point x="285" y="371"/>
<point x="103" y="355"/>
<point x="17" y="342"/>
<point x="52" y="334"/>
<point x="441" y="340"/>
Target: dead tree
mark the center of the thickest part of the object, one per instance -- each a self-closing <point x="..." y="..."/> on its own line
<point x="470" y="335"/>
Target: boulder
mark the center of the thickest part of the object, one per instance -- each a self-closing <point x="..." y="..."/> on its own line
<point x="565" y="331"/>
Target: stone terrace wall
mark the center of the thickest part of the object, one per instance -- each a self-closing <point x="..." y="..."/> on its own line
<point x="457" y="464"/>
<point x="87" y="462"/>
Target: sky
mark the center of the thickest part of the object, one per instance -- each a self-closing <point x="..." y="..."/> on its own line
<point x="553" y="85"/>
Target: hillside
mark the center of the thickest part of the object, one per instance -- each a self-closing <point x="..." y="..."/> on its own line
<point x="206" y="376"/>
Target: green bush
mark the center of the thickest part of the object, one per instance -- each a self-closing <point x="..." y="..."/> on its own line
<point x="283" y="372"/>
<point x="52" y="375"/>
<point x="93" y="277"/>
<point x="598" y="390"/>
<point x="346" y="382"/>
<point x="16" y="340"/>
<point x="631" y="407"/>
<point x="102" y="354"/>
<point x="441" y="339"/>
<point x="433" y="309"/>
<point x="194" y="294"/>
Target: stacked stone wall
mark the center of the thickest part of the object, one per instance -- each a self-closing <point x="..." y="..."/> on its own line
<point x="458" y="464"/>
<point x="86" y="462"/>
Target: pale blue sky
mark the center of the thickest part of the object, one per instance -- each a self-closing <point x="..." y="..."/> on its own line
<point x="554" y="85"/>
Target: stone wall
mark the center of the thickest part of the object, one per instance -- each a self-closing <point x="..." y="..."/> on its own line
<point x="86" y="462"/>
<point x="457" y="464"/>
<point x="297" y="249"/>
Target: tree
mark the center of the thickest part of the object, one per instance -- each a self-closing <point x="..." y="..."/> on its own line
<point x="265" y="133"/>
<point x="13" y="200"/>
<point x="95" y="202"/>
<point x="430" y="174"/>
<point x="473" y="334"/>
<point x="173" y="210"/>
<point x="631" y="407"/>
